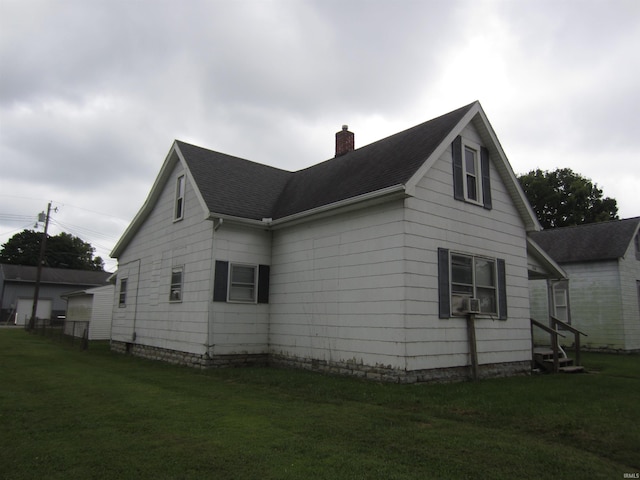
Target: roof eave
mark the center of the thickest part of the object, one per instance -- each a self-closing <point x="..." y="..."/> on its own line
<point x="554" y="270"/>
<point x="174" y="157"/>
<point x="349" y="204"/>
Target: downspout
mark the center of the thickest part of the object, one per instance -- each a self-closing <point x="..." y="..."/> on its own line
<point x="209" y="345"/>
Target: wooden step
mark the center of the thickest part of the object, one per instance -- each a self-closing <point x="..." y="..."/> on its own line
<point x="542" y="351"/>
<point x="562" y="361"/>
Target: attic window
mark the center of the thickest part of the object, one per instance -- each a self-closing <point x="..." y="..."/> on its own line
<point x="638" y="246"/>
<point x="471" y="173"/>
<point x="179" y="208"/>
<point x="471" y="170"/>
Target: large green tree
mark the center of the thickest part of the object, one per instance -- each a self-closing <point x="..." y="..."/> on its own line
<point x="563" y="198"/>
<point x="62" y="251"/>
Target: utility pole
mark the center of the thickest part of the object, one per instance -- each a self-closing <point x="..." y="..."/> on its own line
<point x="43" y="246"/>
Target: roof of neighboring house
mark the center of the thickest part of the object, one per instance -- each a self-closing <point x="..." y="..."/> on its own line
<point x="59" y="276"/>
<point x="591" y="242"/>
<point x="229" y="187"/>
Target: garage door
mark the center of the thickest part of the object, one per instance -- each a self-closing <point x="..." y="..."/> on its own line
<point x="25" y="305"/>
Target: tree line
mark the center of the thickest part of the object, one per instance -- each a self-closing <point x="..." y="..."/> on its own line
<point x="62" y="251"/>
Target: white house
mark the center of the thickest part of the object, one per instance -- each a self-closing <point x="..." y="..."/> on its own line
<point x="363" y="264"/>
<point x="602" y="295"/>
<point x="89" y="313"/>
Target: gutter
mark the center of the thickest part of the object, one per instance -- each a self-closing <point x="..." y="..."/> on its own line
<point x="377" y="196"/>
<point x="349" y="204"/>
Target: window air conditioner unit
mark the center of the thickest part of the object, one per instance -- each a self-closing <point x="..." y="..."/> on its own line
<point x="471" y="305"/>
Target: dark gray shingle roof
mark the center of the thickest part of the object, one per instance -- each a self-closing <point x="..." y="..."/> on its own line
<point x="234" y="186"/>
<point x="60" y="276"/>
<point x="586" y="243"/>
<point x="241" y="188"/>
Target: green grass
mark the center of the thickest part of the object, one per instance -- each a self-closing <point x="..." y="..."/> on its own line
<point x="72" y="414"/>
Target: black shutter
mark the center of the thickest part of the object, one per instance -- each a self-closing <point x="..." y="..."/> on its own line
<point x="458" y="175"/>
<point x="444" y="298"/>
<point x="220" y="281"/>
<point x="502" y="290"/>
<point x="486" y="178"/>
<point x="263" y="283"/>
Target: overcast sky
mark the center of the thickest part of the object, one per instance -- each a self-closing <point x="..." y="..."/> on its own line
<point x="93" y="93"/>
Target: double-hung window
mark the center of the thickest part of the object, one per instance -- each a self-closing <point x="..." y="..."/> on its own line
<point x="463" y="276"/>
<point x="242" y="283"/>
<point x="471" y="173"/>
<point x="473" y="277"/>
<point x="560" y="301"/>
<point x="122" y="296"/>
<point x="179" y="206"/>
<point x="472" y="185"/>
<point x="175" y="290"/>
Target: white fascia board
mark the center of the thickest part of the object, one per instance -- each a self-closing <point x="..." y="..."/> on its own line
<point x="513" y="185"/>
<point x="239" y="220"/>
<point x="448" y="140"/>
<point x="192" y="182"/>
<point x="169" y="164"/>
<point x="349" y="204"/>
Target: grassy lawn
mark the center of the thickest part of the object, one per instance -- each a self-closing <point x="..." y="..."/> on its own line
<point x="72" y="414"/>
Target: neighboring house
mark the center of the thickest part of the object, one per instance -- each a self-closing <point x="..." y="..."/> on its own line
<point x="602" y="295"/>
<point x="89" y="313"/>
<point x="17" y="286"/>
<point x="359" y="265"/>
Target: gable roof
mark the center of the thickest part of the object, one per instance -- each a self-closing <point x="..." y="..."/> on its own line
<point x="586" y="243"/>
<point x="57" y="276"/>
<point x="374" y="167"/>
<point x="232" y="187"/>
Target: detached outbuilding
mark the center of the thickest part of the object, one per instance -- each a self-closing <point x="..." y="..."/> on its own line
<point x="602" y="295"/>
<point x="17" y="287"/>
<point x="89" y="313"/>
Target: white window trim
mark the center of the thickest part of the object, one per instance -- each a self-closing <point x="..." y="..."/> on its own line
<point x="179" y="198"/>
<point x="478" y="166"/>
<point x="230" y="283"/>
<point x="474" y="284"/>
<point x="122" y="304"/>
<point x="171" y="284"/>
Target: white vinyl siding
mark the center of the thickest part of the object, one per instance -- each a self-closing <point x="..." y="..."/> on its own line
<point x="147" y="263"/>
<point x="337" y="288"/>
<point x="435" y="219"/>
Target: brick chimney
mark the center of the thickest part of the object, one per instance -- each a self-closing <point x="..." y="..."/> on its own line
<point x="344" y="141"/>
